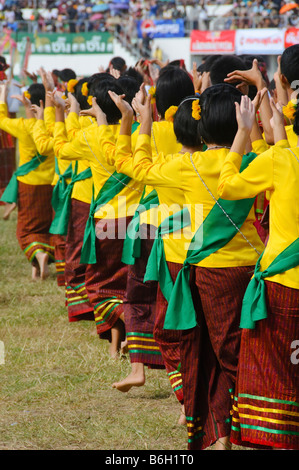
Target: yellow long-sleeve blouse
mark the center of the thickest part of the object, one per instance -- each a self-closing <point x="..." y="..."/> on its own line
<point x="82" y="190"/>
<point x="170" y="201"/>
<point x="179" y="176"/>
<point x="163" y="142"/>
<point x="85" y="146"/>
<point x="277" y="172"/>
<point x="22" y="130"/>
<point x="45" y="133"/>
<point x="292" y="137"/>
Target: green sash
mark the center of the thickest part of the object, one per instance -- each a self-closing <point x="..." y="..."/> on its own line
<point x="10" y="194"/>
<point x="132" y="243"/>
<point x="113" y="186"/>
<point x="58" y="194"/>
<point x="254" y="307"/>
<point x="157" y="269"/>
<point x="213" y="234"/>
<point x="134" y="126"/>
<point x="62" y="220"/>
<point x="61" y="184"/>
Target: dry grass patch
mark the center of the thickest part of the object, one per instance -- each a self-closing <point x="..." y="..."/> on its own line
<point x="56" y="380"/>
<point x="55" y="383"/>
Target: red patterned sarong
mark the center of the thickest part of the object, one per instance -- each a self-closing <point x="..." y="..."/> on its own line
<point x="266" y="406"/>
<point x="210" y="351"/>
<point x="77" y="302"/>
<point x="59" y="254"/>
<point x="140" y="309"/>
<point x="7" y="159"/>
<point x="106" y="280"/>
<point x="34" y="220"/>
<point x="169" y="340"/>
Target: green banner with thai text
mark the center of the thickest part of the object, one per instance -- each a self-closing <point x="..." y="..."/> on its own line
<point x="65" y="43"/>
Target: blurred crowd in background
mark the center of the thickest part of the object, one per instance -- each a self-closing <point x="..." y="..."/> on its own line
<point x="80" y="15"/>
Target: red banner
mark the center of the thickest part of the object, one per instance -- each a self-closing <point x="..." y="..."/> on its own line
<point x="291" y="37"/>
<point x="212" y="42"/>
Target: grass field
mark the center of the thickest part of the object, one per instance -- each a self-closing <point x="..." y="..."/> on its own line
<point x="56" y="376"/>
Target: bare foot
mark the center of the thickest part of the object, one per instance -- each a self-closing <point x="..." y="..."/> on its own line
<point x="35" y="273"/>
<point x="116" y="337"/>
<point x="182" y="419"/>
<point x="124" y="347"/>
<point x="114" y="352"/>
<point x="223" y="443"/>
<point x="8" y="210"/>
<point x="43" y="259"/>
<point x="130" y="381"/>
<point x="135" y="379"/>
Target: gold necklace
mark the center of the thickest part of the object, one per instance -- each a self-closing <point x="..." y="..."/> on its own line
<point x="218" y="147"/>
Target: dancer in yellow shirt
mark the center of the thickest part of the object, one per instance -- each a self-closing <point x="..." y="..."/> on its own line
<point x="30" y="185"/>
<point x="76" y="207"/>
<point x="266" y="406"/>
<point x="143" y="301"/>
<point x="223" y="273"/>
<point x="105" y="278"/>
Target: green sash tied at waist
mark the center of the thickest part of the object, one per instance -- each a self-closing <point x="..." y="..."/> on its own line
<point x="58" y="194"/>
<point x="60" y="186"/>
<point x="214" y="233"/>
<point x="254" y="307"/>
<point x="132" y="242"/>
<point x="10" y="194"/>
<point x="157" y="269"/>
<point x="113" y="186"/>
<point x="62" y="220"/>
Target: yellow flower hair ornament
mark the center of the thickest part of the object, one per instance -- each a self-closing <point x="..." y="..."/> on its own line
<point x="63" y="97"/>
<point x="290" y="109"/>
<point x="84" y="89"/>
<point x="169" y="114"/>
<point x="196" y="110"/>
<point x="71" y="85"/>
<point x="152" y="93"/>
<point x="27" y="95"/>
<point x="89" y="100"/>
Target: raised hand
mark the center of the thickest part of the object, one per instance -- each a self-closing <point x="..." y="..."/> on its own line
<point x="74" y="106"/>
<point x="47" y="79"/>
<point x="114" y="72"/>
<point x="38" y="110"/>
<point x="32" y="75"/>
<point x="278" y="117"/>
<point x="23" y="99"/>
<point x="205" y="81"/>
<point x="277" y="121"/>
<point x="56" y="99"/>
<point x="153" y="72"/>
<point x="141" y="94"/>
<point x="121" y="103"/>
<point x="197" y="78"/>
<point x="96" y="112"/>
<point x="3" y="92"/>
<point x="259" y="98"/>
<point x="252" y="76"/>
<point x="245" y="114"/>
<point x="143" y="113"/>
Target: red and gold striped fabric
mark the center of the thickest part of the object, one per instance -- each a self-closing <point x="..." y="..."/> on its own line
<point x="169" y="340"/>
<point x="59" y="254"/>
<point x="140" y="309"/>
<point x="266" y="405"/>
<point x="209" y="352"/>
<point x="106" y="280"/>
<point x="34" y="220"/>
<point x="77" y="301"/>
